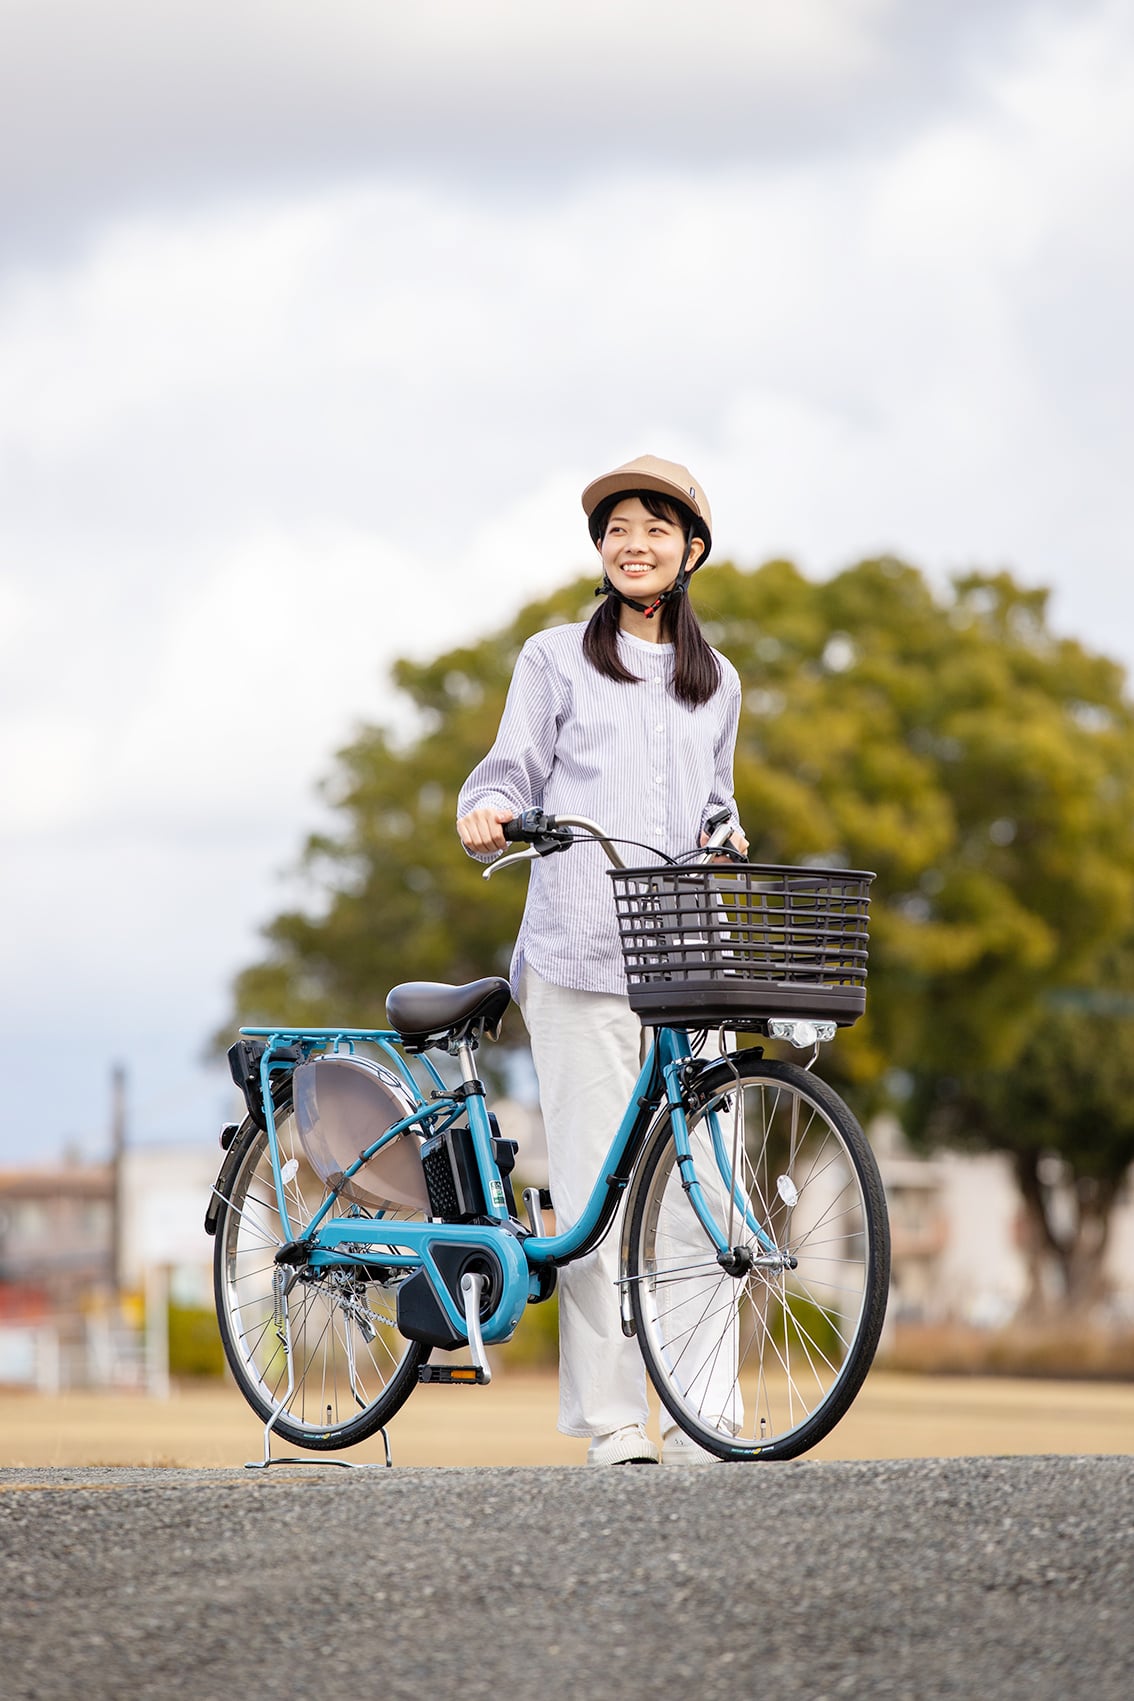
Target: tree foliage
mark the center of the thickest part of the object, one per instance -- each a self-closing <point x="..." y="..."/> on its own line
<point x="1063" y="1111"/>
<point x="982" y="767"/>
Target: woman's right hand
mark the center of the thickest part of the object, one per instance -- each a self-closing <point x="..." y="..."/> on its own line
<point x="480" y="830"/>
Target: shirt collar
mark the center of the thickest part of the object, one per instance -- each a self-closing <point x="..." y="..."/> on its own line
<point x="660" y="650"/>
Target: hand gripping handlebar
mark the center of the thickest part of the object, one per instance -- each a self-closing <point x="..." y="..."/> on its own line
<point x="546" y="834"/>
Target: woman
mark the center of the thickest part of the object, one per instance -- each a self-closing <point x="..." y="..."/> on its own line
<point x="629" y="720"/>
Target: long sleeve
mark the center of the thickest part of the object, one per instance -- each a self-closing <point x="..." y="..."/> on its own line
<point x="515" y="771"/>
<point x="722" y="795"/>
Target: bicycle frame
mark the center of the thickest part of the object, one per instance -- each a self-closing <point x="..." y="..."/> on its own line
<point x="334" y="1241"/>
<point x="360" y="1289"/>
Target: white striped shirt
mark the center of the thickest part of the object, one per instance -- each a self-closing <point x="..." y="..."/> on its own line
<point x="629" y="757"/>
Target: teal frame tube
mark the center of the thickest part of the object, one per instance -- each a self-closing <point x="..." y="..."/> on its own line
<point x="324" y="1039"/>
<point x="670" y="1051"/>
<point x="414" y="1243"/>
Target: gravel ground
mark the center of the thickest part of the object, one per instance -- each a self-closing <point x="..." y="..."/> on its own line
<point x="1002" y="1577"/>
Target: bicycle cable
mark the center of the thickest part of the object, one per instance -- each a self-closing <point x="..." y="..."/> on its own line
<point x="636" y="844"/>
<point x="724" y="853"/>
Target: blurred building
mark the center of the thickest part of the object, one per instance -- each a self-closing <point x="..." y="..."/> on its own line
<point x="959" y="1240"/>
<point x="78" y="1247"/>
<point x="56" y="1237"/>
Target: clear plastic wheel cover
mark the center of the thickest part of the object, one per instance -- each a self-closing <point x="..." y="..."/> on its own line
<point x="344" y="1104"/>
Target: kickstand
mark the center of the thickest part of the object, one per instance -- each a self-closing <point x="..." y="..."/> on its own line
<point x="283" y="1335"/>
<point x="292" y="1459"/>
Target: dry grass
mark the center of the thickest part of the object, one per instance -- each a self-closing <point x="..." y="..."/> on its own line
<point x="513" y="1423"/>
<point x="1053" y="1349"/>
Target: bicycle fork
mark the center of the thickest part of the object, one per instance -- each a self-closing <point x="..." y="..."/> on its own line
<point x="754" y="1250"/>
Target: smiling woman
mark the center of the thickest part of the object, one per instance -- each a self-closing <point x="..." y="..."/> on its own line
<point x="632" y="722"/>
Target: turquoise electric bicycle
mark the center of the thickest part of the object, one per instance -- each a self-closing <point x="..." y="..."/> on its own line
<point x="364" y="1214"/>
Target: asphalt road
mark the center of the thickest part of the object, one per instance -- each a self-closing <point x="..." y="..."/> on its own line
<point x="969" y="1577"/>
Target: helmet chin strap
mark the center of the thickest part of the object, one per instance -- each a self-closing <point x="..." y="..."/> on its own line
<point x="676" y="590"/>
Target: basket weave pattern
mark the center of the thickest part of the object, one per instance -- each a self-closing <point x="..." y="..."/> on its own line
<point x="737" y="943"/>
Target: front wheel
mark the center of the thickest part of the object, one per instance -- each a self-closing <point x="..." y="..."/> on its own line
<point x="761" y="1355"/>
<point x="351" y="1370"/>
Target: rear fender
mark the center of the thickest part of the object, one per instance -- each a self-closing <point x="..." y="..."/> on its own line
<point x="230" y="1163"/>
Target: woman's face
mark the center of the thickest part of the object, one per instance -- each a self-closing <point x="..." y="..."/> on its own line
<point x="641" y="555"/>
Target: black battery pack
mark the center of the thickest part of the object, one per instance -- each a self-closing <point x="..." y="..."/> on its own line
<point x="452" y="1179"/>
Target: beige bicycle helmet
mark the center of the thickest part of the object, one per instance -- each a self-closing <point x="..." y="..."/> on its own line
<point x="666" y="478"/>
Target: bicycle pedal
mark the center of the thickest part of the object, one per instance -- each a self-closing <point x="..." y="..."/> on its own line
<point x="470" y="1374"/>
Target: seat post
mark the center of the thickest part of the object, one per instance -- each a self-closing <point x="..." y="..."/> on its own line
<point x="465" y="1049"/>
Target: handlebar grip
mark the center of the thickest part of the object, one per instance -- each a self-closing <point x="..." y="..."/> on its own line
<point x="531" y="826"/>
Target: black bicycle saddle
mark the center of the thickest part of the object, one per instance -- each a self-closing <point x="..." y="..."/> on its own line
<point x="422" y="1011"/>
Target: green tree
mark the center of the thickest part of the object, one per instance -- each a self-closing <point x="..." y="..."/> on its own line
<point x="946" y="739"/>
<point x="1063" y="1111"/>
<point x="982" y="767"/>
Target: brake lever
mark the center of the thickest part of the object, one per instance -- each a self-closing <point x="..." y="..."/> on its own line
<point x="558" y="839"/>
<point x="529" y="855"/>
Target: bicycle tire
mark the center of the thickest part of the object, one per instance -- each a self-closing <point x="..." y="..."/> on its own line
<point x="761" y="1363"/>
<point x="353" y="1370"/>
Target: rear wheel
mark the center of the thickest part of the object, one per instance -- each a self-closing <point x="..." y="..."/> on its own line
<point x="352" y="1369"/>
<point x="761" y="1356"/>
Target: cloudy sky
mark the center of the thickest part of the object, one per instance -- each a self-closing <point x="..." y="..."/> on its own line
<point x="314" y="320"/>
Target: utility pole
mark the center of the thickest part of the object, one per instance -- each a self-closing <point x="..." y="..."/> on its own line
<point x="118" y="1178"/>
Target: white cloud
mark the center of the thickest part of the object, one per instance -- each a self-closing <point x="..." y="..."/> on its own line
<point x="129" y="104"/>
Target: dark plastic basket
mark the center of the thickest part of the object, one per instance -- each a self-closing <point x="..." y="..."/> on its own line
<point x="735" y="944"/>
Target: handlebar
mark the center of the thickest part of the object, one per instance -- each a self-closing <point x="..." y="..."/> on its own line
<point x="546" y="834"/>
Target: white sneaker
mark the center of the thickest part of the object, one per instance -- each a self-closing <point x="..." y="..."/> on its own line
<point x="680" y="1449"/>
<point x="628" y="1446"/>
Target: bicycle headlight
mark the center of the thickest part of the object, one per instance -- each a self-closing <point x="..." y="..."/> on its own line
<point x="801" y="1034"/>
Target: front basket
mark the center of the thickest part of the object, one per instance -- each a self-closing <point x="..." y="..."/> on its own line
<point x="737" y="943"/>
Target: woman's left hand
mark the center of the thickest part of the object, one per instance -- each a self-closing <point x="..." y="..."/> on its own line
<point x="736" y="838"/>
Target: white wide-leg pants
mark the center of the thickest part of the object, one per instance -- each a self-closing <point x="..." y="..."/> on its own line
<point x="587" y="1050"/>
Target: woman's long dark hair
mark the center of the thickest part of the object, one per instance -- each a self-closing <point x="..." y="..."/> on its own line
<point x="696" y="670"/>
